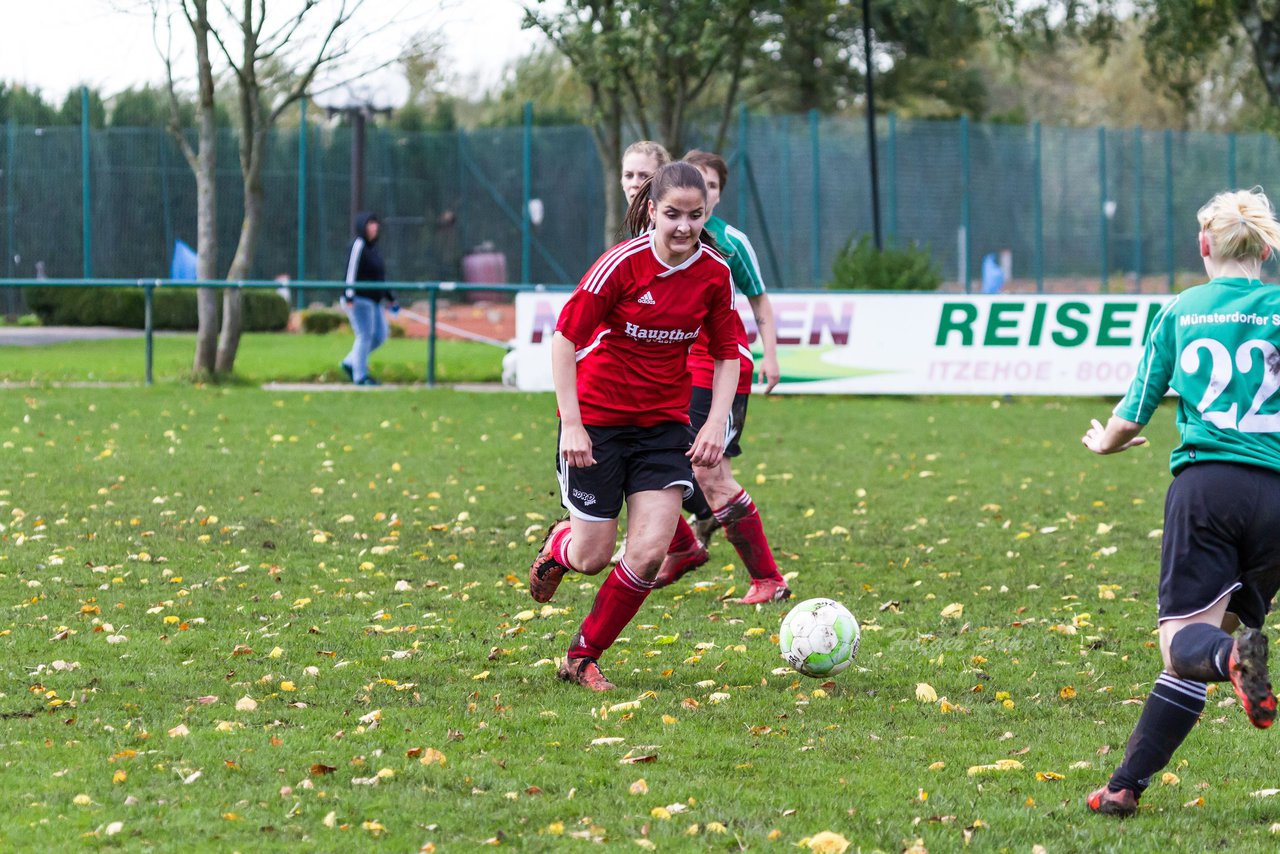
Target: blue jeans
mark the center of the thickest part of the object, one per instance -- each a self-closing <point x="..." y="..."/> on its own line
<point x="370" y="326"/>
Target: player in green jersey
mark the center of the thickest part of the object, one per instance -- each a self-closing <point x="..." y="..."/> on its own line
<point x="743" y="263"/>
<point x="1218" y="346"/>
<point x="733" y="508"/>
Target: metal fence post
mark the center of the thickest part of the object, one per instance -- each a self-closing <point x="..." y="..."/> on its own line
<point x="1038" y="164"/>
<point x="86" y="212"/>
<point x="1168" y="206"/>
<point x="148" y="325"/>
<point x="965" y="204"/>
<point x="460" y="136"/>
<point x="789" y="208"/>
<point x="1103" y="236"/>
<point x="526" y="160"/>
<point x="891" y="158"/>
<point x="743" y="130"/>
<point x="11" y="205"/>
<point x="300" y="299"/>
<point x="164" y="201"/>
<point x="434" y="298"/>
<point x="1137" y="211"/>
<point x="815" y="195"/>
<point x="1231" y="160"/>
<point x="322" y="219"/>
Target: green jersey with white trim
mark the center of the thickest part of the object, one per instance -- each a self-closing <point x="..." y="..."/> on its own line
<point x="737" y="250"/>
<point x="1218" y="346"/>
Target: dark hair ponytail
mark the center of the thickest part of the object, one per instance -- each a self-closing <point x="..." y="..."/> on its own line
<point x="635" y="221"/>
<point x="677" y="175"/>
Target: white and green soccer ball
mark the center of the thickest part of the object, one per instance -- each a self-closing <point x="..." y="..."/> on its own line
<point x="819" y="637"/>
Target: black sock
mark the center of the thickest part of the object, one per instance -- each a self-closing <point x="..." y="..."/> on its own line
<point x="1172" y="709"/>
<point x="1201" y="652"/>
<point x="697" y="504"/>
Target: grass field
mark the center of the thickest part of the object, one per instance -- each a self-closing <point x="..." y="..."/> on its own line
<point x="263" y="357"/>
<point x="239" y="620"/>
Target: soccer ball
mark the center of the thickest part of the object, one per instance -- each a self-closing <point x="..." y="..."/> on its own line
<point x="819" y="637"/>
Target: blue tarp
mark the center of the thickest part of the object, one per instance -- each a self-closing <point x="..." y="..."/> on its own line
<point x="184" y="262"/>
<point x="992" y="275"/>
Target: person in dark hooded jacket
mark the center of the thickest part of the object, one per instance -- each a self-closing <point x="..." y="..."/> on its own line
<point x="364" y="304"/>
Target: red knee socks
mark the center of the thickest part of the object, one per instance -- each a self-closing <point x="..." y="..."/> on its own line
<point x="743" y="528"/>
<point x="684" y="540"/>
<point x="560" y="546"/>
<point x="617" y="601"/>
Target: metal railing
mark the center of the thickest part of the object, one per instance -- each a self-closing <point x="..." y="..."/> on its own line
<point x="433" y="290"/>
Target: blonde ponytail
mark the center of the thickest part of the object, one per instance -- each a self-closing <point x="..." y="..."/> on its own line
<point x="1240" y="224"/>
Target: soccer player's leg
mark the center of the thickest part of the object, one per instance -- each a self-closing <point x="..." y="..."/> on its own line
<point x="740" y="518"/>
<point x="657" y="475"/>
<point x="684" y="554"/>
<point x="1200" y="582"/>
<point x="583" y="539"/>
<point x="651" y="515"/>
<point x="1219" y="548"/>
<point x="1172" y="708"/>
<point x="702" y="519"/>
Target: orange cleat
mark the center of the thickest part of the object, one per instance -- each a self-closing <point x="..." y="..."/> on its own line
<point x="1248" y="670"/>
<point x="546" y="572"/>
<point x="584" y="672"/>
<point x="765" y="590"/>
<point x="1123" y="803"/>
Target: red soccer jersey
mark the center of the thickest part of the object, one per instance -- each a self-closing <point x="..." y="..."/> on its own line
<point x="633" y="319"/>
<point x="702" y="366"/>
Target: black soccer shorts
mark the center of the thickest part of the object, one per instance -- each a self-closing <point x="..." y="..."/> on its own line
<point x="1221" y="537"/>
<point x="700" y="408"/>
<point x="628" y="460"/>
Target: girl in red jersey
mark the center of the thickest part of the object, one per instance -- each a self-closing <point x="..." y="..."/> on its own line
<point x="619" y="359"/>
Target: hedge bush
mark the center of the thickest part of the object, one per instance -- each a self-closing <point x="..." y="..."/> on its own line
<point x="860" y="267"/>
<point x="320" y="321"/>
<point x="172" y="308"/>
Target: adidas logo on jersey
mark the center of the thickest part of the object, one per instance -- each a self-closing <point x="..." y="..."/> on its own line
<point x="647" y="299"/>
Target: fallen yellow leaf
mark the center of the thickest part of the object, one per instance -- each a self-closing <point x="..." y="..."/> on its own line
<point x="827" y="842"/>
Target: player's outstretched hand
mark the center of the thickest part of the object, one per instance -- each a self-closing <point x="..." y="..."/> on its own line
<point x="1097" y="440"/>
<point x="708" y="447"/>
<point x="575" y="447"/>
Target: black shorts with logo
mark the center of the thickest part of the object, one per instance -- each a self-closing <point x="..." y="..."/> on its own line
<point x="1221" y="537"/>
<point x="628" y="460"/>
<point x="700" y="408"/>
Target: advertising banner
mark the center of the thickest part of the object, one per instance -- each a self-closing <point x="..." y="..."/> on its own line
<point x="919" y="343"/>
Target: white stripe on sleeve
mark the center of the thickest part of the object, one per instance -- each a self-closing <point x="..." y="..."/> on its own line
<point x="353" y="260"/>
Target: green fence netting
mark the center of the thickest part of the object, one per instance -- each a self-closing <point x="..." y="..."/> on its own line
<point x="1071" y="205"/>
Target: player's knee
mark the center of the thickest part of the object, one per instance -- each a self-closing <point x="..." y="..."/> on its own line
<point x="1197" y="651"/>
<point x="593" y="561"/>
<point x="643" y="560"/>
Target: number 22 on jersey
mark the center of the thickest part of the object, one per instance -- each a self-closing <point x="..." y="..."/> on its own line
<point x="1222" y="373"/>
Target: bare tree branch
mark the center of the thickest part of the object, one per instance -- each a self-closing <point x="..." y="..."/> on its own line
<point x="226" y="53"/>
<point x="166" y="56"/>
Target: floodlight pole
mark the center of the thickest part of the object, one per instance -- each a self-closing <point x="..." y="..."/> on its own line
<point x="871" y="124"/>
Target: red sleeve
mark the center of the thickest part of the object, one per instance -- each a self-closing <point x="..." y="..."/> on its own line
<point x="721" y="330"/>
<point x="588" y="305"/>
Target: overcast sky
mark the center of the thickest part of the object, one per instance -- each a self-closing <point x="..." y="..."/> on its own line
<point x="57" y="45"/>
